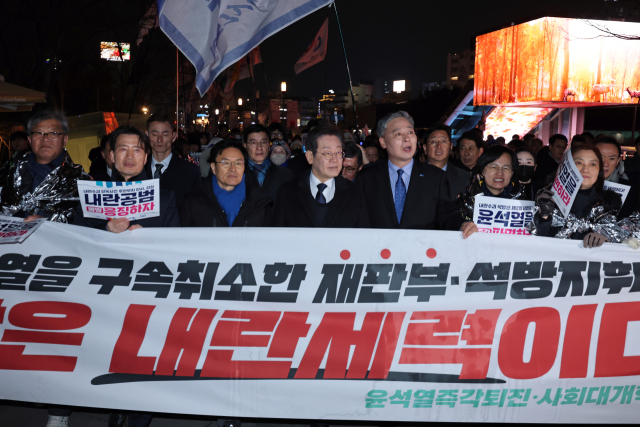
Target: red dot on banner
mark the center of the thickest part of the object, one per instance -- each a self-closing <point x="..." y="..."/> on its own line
<point x="431" y="253"/>
<point x="385" y="253"/>
<point x="345" y="254"/>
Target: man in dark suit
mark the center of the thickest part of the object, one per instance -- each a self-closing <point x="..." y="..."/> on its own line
<point x="438" y="148"/>
<point x="401" y="193"/>
<point x="549" y="158"/>
<point x="322" y="197"/>
<point x="265" y="176"/>
<point x="128" y="158"/>
<point x="103" y="172"/>
<point x="174" y="173"/>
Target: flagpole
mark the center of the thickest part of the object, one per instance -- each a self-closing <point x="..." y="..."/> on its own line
<point x="355" y="115"/>
<point x="177" y="90"/>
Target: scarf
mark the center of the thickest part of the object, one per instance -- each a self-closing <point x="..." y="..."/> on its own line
<point x="40" y="171"/>
<point x="259" y="171"/>
<point x="618" y="174"/>
<point x="230" y="201"/>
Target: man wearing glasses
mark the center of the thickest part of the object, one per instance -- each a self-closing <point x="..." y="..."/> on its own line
<point x="322" y="197"/>
<point x="437" y="150"/>
<point x="401" y="193"/>
<point x="42" y="183"/>
<point x="266" y="176"/>
<point x="549" y="158"/>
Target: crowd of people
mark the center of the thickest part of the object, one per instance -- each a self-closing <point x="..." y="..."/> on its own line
<point x="398" y="178"/>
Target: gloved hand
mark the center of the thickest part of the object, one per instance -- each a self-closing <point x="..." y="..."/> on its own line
<point x="594" y="240"/>
<point x="545" y="203"/>
<point x="633" y="242"/>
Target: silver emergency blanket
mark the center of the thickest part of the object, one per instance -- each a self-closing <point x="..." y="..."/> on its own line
<point x="598" y="220"/>
<point x="56" y="197"/>
<point x="631" y="224"/>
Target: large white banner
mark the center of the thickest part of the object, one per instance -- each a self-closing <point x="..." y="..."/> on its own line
<point x="323" y="324"/>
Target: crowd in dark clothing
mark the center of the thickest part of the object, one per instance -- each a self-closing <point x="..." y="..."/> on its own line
<point x="397" y="179"/>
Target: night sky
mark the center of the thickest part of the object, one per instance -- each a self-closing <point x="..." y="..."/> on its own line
<point x="400" y="39"/>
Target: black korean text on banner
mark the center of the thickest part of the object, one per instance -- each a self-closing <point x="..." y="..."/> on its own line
<point x="425" y="320"/>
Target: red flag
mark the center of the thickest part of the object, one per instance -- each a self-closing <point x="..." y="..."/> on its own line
<point x="316" y="51"/>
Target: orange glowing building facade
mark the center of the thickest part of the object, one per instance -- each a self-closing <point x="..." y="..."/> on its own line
<point x="557" y="62"/>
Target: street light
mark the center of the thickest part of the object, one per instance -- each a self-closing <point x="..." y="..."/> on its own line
<point x="217" y="112"/>
<point x="144" y="110"/>
<point x="239" y="101"/>
<point x="283" y="89"/>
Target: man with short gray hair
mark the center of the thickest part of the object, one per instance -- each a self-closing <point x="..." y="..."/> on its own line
<point x="42" y="183"/>
<point x="401" y="193"/>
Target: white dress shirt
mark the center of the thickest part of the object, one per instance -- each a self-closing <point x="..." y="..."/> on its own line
<point x="328" y="192"/>
<point x="164" y="163"/>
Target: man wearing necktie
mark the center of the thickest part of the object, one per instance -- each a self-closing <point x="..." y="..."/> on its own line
<point x="174" y="173"/>
<point x="402" y="193"/>
<point x="322" y="197"/>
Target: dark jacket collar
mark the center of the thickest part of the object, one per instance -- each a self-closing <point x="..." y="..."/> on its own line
<point x="116" y="176"/>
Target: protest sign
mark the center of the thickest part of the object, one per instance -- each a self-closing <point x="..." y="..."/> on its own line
<point x="396" y="325"/>
<point x="109" y="200"/>
<point x="567" y="183"/>
<point x="505" y="216"/>
<point x="15" y="230"/>
<point x="621" y="189"/>
<point x="195" y="155"/>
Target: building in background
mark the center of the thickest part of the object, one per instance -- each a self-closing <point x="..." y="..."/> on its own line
<point x="460" y="67"/>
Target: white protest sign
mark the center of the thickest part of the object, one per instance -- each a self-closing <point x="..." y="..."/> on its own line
<point x="567" y="183"/>
<point x="196" y="156"/>
<point x="109" y="200"/>
<point x="15" y="230"/>
<point x="504" y="216"/>
<point x="621" y="189"/>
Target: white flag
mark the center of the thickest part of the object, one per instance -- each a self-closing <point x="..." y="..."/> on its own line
<point x="316" y="50"/>
<point x="215" y="34"/>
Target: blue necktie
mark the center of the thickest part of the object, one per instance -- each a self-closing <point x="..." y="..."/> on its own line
<point x="319" y="196"/>
<point x="400" y="195"/>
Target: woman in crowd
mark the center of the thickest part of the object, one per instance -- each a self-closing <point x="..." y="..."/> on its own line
<point x="226" y="198"/>
<point x="525" y="170"/>
<point x="494" y="176"/>
<point x="280" y="154"/>
<point x="592" y="218"/>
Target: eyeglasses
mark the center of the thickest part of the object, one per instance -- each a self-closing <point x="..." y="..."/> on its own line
<point x="349" y="169"/>
<point x="253" y="143"/>
<point x="438" y="141"/>
<point x="47" y="135"/>
<point x="227" y="164"/>
<point x="328" y="155"/>
<point x="276" y="134"/>
<point x="495" y="168"/>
